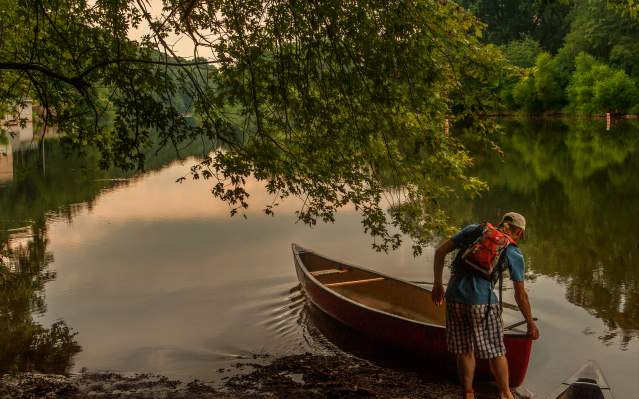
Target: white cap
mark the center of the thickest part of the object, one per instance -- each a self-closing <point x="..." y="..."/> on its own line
<point x="515" y="219"/>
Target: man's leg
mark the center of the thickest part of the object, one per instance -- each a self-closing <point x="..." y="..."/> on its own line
<point x="466" y="370"/>
<point x="499" y="368"/>
<point x="459" y="340"/>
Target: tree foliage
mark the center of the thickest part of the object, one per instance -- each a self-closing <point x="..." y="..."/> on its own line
<point x="628" y="7"/>
<point x="544" y="21"/>
<point x="552" y="84"/>
<point x="595" y="87"/>
<point x="333" y="102"/>
<point x="607" y="34"/>
<point x="522" y="52"/>
<point x="547" y="82"/>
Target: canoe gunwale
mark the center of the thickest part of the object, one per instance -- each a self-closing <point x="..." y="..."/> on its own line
<point x="600" y="382"/>
<point x="297" y="250"/>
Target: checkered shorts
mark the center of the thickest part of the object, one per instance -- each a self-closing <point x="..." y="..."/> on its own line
<point x="470" y="328"/>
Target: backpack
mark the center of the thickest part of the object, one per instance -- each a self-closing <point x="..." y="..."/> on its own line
<point x="484" y="254"/>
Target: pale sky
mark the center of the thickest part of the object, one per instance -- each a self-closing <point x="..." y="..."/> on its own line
<point x="182" y="44"/>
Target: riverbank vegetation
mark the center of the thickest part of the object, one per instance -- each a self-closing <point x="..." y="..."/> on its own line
<point x="577" y="57"/>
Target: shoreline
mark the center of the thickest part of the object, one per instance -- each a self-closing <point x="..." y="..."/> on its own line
<point x="296" y="376"/>
<point x="559" y="116"/>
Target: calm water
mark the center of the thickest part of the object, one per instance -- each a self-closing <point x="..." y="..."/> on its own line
<point x="154" y="276"/>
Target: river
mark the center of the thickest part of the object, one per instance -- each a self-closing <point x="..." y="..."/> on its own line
<point x="137" y="273"/>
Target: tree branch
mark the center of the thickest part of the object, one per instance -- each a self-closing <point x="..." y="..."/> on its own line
<point x="76" y="82"/>
<point x="138" y="61"/>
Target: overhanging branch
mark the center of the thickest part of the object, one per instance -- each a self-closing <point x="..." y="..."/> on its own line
<point x="76" y="82"/>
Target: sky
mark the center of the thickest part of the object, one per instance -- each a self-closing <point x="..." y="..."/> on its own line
<point x="182" y="45"/>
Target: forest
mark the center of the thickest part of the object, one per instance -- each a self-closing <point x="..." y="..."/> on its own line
<point x="577" y="57"/>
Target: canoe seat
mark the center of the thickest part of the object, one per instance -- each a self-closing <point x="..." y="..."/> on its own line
<point x="327" y="271"/>
<point x="355" y="282"/>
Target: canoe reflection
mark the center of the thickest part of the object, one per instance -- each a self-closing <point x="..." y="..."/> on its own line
<point x="324" y="333"/>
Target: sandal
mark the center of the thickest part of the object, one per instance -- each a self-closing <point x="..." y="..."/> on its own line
<point x="469" y="392"/>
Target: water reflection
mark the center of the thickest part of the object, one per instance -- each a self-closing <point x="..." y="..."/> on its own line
<point x="151" y="276"/>
<point x="26" y="345"/>
<point x="576" y="183"/>
<point x="40" y="184"/>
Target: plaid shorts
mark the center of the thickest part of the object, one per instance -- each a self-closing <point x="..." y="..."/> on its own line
<point x="471" y="328"/>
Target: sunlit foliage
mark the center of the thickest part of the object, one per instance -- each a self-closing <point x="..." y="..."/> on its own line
<point x="333" y="102"/>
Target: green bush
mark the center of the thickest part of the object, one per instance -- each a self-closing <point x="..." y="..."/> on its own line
<point x="506" y="96"/>
<point x="540" y="91"/>
<point x="625" y="55"/>
<point x="550" y="92"/>
<point x="598" y="88"/>
<point x="525" y="95"/>
<point x="522" y="53"/>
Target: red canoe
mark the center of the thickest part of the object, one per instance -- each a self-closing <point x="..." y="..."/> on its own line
<point x="394" y="311"/>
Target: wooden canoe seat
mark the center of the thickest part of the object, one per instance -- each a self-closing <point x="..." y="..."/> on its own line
<point x="354" y="282"/>
<point x="327" y="271"/>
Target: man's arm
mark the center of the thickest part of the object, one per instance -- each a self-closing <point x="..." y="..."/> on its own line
<point x="438" y="270"/>
<point x="521" y="296"/>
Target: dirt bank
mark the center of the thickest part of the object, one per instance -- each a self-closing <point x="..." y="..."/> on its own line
<point x="299" y="376"/>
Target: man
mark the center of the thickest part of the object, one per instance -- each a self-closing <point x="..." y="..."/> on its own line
<point x="473" y="316"/>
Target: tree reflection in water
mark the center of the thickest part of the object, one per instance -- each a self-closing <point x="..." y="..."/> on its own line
<point x="576" y="184"/>
<point x="35" y="196"/>
<point x="26" y="345"/>
<point x="32" y="198"/>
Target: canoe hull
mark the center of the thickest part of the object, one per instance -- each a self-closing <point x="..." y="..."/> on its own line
<point x="424" y="340"/>
<point x="587" y="383"/>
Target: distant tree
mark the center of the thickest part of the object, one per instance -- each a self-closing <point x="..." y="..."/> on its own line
<point x="617" y="93"/>
<point x="525" y="95"/>
<point x="547" y="22"/>
<point x="629" y="7"/>
<point x="548" y="87"/>
<point x="597" y="88"/>
<point x="522" y="52"/>
<point x="540" y="89"/>
<point x="625" y="54"/>
<point x="610" y="35"/>
<point x="606" y="33"/>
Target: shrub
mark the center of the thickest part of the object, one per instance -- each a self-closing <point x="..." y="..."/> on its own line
<point x="525" y="95"/>
<point x="597" y="88"/>
<point x="550" y="92"/>
<point x="522" y="53"/>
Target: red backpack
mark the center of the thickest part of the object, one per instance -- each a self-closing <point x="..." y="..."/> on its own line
<point x="484" y="253"/>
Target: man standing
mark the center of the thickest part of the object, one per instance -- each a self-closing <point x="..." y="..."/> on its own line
<point x="473" y="315"/>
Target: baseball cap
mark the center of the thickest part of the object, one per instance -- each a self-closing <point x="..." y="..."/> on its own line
<point x="515" y="219"/>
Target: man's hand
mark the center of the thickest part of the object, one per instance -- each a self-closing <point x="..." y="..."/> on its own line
<point x="533" y="331"/>
<point x="438" y="294"/>
<point x="438" y="268"/>
<point x="524" y="306"/>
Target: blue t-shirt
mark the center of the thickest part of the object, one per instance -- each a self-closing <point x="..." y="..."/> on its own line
<point x="467" y="287"/>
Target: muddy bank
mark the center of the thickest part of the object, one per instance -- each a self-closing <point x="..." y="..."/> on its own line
<point x="299" y="376"/>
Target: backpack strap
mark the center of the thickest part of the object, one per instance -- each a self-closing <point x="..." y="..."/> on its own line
<point x="501" y="288"/>
<point x="500" y="270"/>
